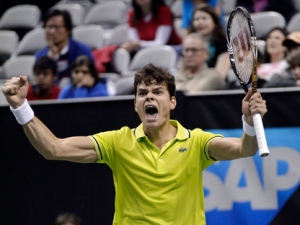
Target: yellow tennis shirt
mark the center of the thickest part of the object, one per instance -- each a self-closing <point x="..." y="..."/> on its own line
<point x="154" y="186"/>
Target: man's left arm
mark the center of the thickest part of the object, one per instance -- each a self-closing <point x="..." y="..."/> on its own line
<point x="234" y="148"/>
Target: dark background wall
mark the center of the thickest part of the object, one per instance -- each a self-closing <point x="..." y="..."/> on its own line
<point x="33" y="190"/>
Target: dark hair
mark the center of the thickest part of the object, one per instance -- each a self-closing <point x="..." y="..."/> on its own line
<point x="84" y="60"/>
<point x="218" y="32"/>
<point x="294" y="58"/>
<point x="68" y="218"/>
<point x="44" y="63"/>
<point x="65" y="14"/>
<point x="151" y="74"/>
<point x="267" y="58"/>
<point x="138" y="14"/>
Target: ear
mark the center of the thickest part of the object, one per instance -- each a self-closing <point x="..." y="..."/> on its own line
<point x="134" y="103"/>
<point x="173" y="102"/>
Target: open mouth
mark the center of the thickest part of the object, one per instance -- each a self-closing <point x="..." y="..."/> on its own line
<point x="151" y="111"/>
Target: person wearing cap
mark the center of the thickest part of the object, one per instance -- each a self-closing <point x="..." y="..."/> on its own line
<point x="291" y="76"/>
<point x="292" y="41"/>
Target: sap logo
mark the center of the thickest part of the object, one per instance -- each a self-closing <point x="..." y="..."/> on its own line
<point x="253" y="180"/>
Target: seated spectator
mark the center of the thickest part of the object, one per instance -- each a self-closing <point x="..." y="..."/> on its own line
<point x="86" y="82"/>
<point x="68" y="219"/>
<point x="273" y="60"/>
<point x="151" y="24"/>
<point x="194" y="75"/>
<point x="44" y="86"/>
<point x="60" y="45"/>
<point x="291" y="76"/>
<point x="207" y="23"/>
<point x="188" y="7"/>
<point x="292" y="41"/>
<point x="284" y="7"/>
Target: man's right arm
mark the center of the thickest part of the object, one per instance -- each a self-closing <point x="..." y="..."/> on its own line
<point x="75" y="149"/>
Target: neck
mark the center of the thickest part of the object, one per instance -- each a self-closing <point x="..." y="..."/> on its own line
<point x="277" y="57"/>
<point x="160" y="136"/>
<point x="42" y="92"/>
<point x="61" y="45"/>
<point x="193" y="70"/>
<point x="146" y="9"/>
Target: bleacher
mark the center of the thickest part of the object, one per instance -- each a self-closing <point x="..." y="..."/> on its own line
<point x="100" y="23"/>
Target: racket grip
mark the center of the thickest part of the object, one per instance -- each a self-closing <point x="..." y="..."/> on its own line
<point x="260" y="135"/>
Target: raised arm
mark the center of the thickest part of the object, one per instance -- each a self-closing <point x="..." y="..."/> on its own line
<point x="233" y="148"/>
<point x="75" y="149"/>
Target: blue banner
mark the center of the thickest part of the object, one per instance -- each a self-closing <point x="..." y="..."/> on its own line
<point x="253" y="190"/>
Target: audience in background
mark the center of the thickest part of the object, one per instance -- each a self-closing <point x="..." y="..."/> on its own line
<point x="292" y="41"/>
<point x="68" y="218"/>
<point x="273" y="60"/>
<point x="188" y="7"/>
<point x="194" y="75"/>
<point x="44" y="86"/>
<point x="207" y="23"/>
<point x="151" y="24"/>
<point x="86" y="82"/>
<point x="291" y="76"/>
<point x="60" y="45"/>
<point x="285" y="7"/>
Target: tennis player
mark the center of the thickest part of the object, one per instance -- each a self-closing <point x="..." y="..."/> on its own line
<point x="157" y="166"/>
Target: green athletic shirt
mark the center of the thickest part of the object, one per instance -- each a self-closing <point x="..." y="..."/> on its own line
<point x="156" y="187"/>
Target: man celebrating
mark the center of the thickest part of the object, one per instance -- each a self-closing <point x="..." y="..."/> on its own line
<point x="157" y="166"/>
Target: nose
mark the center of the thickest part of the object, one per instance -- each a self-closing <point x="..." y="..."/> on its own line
<point x="149" y="96"/>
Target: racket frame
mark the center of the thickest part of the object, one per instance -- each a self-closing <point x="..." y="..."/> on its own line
<point x="257" y="119"/>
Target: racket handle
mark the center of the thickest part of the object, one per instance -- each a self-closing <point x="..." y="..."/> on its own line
<point x="260" y="135"/>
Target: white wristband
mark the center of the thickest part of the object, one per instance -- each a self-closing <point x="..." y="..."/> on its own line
<point x="24" y="113"/>
<point x="249" y="130"/>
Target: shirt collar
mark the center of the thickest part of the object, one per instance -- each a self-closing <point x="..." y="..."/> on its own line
<point x="182" y="133"/>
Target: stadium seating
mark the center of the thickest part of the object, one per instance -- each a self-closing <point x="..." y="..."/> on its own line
<point x="21" y="18"/>
<point x="19" y="65"/>
<point x="92" y="35"/>
<point x="33" y="41"/>
<point x="294" y="23"/>
<point x="8" y="44"/>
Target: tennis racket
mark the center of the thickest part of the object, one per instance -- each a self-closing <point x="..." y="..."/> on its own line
<point x="242" y="50"/>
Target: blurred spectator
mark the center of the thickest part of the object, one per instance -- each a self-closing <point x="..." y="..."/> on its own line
<point x="44" y="86"/>
<point x="207" y="23"/>
<point x="188" y="7"/>
<point x="285" y="7"/>
<point x="151" y="23"/>
<point x="68" y="219"/>
<point x="61" y="47"/>
<point x="194" y="75"/>
<point x="292" y="41"/>
<point x="86" y="82"/>
<point x="291" y="76"/>
<point x="273" y="60"/>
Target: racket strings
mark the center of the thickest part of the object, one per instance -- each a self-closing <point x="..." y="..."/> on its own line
<point x="240" y="39"/>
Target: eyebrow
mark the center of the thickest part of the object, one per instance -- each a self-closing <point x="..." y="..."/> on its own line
<point x="154" y="89"/>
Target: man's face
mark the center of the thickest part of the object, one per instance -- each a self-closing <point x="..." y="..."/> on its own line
<point x="44" y="79"/>
<point x="56" y="31"/>
<point x="194" y="55"/>
<point x="153" y="105"/>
